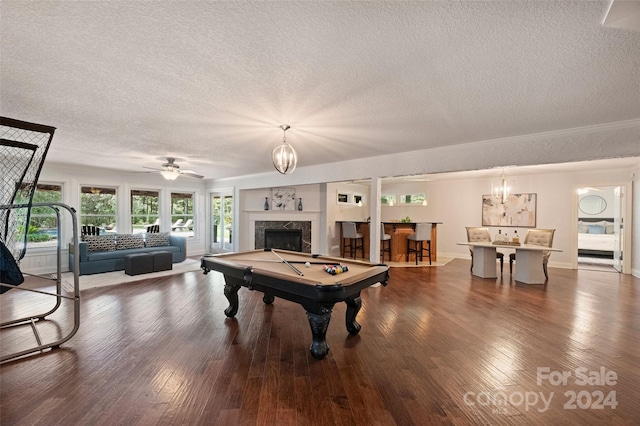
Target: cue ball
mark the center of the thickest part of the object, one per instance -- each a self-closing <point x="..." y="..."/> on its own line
<point x="307" y="264"/>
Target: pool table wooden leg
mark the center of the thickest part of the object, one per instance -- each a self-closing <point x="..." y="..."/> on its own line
<point x="231" y="288"/>
<point x="319" y="323"/>
<point x="353" y="307"/>
<point x="268" y="299"/>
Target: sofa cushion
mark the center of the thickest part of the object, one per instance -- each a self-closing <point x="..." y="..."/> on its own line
<point x="121" y="254"/>
<point x="157" y="240"/>
<point x="100" y="242"/>
<point x="129" y="241"/>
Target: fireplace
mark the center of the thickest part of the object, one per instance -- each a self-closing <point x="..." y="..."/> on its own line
<point x="260" y="228"/>
<point x="284" y="239"/>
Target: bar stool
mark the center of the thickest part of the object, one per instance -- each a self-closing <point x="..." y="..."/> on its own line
<point x="350" y="234"/>
<point x="422" y="234"/>
<point x="384" y="238"/>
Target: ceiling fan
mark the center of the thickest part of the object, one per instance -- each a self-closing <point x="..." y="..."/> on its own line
<point x="170" y="170"/>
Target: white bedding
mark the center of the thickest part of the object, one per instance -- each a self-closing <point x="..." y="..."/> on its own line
<point x="601" y="242"/>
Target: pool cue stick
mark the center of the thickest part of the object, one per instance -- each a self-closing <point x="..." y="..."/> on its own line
<point x="291" y="261"/>
<point x="288" y="264"/>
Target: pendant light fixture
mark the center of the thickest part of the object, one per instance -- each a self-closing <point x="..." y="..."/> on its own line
<point x="500" y="188"/>
<point x="284" y="156"/>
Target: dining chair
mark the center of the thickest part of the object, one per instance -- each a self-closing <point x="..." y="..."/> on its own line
<point x="538" y="237"/>
<point x="90" y="230"/>
<point x="422" y="235"/>
<point x="350" y="238"/>
<point x="153" y="229"/>
<point x="479" y="234"/>
<point x="384" y="238"/>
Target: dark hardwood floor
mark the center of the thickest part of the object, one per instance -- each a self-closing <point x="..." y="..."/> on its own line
<point x="437" y="346"/>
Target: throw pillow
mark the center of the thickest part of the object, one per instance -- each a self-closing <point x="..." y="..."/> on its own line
<point x="129" y="241"/>
<point x="596" y="229"/>
<point x="608" y="229"/>
<point x="157" y="240"/>
<point x="583" y="228"/>
<point x="100" y="242"/>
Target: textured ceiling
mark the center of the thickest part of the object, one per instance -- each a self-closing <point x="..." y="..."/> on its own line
<point x="127" y="83"/>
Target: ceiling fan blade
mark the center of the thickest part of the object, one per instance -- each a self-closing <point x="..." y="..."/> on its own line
<point x="152" y="168"/>
<point x="191" y="174"/>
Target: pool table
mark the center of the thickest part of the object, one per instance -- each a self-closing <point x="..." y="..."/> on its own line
<point x="309" y="285"/>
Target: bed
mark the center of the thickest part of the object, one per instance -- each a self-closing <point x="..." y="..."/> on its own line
<point x="596" y="237"/>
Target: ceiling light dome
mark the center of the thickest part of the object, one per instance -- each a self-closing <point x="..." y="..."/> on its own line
<point x="170" y="173"/>
<point x="284" y="156"/>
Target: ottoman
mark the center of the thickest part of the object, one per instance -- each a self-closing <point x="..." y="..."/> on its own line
<point x="139" y="263"/>
<point x="162" y="261"/>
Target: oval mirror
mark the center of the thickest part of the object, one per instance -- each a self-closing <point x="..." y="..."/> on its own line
<point x="593" y="204"/>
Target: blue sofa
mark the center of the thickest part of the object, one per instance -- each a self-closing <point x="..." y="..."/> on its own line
<point x="106" y="257"/>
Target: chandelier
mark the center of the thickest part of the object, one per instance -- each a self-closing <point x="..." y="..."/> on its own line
<point x="500" y="188"/>
<point x="284" y="156"/>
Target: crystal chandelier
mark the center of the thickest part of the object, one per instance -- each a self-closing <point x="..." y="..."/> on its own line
<point x="284" y="156"/>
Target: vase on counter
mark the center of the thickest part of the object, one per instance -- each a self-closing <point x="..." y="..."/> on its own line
<point x="299" y="204"/>
<point x="266" y="203"/>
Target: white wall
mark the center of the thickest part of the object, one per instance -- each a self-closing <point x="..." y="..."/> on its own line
<point x="346" y="212"/>
<point x="458" y="203"/>
<point x="635" y="224"/>
<point x="606" y="193"/>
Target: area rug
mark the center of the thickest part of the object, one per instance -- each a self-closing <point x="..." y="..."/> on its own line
<point x="119" y="277"/>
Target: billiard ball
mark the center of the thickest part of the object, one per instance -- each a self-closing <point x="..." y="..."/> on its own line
<point x="307" y="265"/>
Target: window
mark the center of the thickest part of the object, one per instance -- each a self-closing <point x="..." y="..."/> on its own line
<point x="413" y="199"/>
<point x="343" y="198"/>
<point x="43" y="225"/>
<point x="144" y="210"/>
<point x="182" y="216"/>
<point x="98" y="208"/>
<point x="388" y="200"/>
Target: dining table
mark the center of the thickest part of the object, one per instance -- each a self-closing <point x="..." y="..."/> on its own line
<point x="529" y="269"/>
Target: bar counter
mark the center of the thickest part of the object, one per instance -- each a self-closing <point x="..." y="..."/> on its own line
<point x="399" y="232"/>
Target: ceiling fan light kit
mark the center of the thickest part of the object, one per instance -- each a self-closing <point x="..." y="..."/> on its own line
<point x="284" y="157"/>
<point x="170" y="174"/>
<point x="170" y="170"/>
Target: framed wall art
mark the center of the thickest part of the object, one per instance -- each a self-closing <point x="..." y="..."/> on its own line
<point x="283" y="199"/>
<point x="518" y="210"/>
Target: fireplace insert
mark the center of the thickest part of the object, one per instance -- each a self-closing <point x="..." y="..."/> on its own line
<point x="284" y="239"/>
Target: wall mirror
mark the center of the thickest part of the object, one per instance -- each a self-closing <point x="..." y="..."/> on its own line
<point x="592" y="204"/>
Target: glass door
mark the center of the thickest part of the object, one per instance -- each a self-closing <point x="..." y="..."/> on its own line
<point x="618" y="208"/>
<point x="221" y="222"/>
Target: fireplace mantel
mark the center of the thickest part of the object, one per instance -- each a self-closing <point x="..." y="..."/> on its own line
<point x="284" y="215"/>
